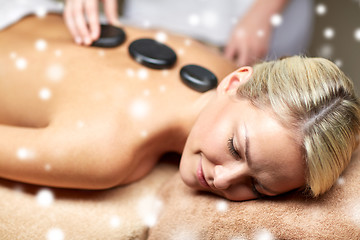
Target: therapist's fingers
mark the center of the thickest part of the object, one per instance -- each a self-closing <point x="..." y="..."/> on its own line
<point x="92" y="13"/>
<point x="230" y="51"/>
<point x="80" y="22"/>
<point x="111" y="11"/>
<point x="70" y="23"/>
<point x="243" y="55"/>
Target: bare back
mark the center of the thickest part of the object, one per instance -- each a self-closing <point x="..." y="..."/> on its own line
<point x="99" y="99"/>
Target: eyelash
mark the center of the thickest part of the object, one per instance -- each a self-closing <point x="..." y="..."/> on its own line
<point x="232" y="149"/>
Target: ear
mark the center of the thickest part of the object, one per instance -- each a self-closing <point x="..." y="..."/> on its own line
<point x="231" y="82"/>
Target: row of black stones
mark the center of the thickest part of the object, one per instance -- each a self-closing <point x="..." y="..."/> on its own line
<point x="156" y="55"/>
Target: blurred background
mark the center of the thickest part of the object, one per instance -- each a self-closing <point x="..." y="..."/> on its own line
<point x="336" y="35"/>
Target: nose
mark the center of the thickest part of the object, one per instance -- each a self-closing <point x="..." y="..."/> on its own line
<point x="225" y="176"/>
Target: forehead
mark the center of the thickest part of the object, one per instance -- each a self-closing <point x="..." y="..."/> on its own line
<point x="276" y="157"/>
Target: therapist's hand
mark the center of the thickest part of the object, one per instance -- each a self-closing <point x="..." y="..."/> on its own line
<point x="249" y="41"/>
<point x="82" y="18"/>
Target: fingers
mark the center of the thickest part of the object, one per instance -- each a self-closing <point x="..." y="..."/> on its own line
<point x="111" y="11"/>
<point x="80" y="22"/>
<point x="69" y="20"/>
<point x="230" y="51"/>
<point x="75" y="14"/>
<point x="92" y="12"/>
<point x="243" y="56"/>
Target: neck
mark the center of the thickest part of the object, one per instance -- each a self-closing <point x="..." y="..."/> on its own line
<point x="186" y="120"/>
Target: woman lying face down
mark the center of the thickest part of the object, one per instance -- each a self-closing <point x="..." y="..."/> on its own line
<point x="284" y="125"/>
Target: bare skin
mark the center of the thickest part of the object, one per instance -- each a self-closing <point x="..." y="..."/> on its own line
<point x="248" y="43"/>
<point x="103" y="119"/>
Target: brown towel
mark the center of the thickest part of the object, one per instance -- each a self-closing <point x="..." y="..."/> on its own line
<point x="33" y="212"/>
<point x="188" y="214"/>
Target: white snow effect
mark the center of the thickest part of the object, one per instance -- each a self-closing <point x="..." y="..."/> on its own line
<point x="260" y="33"/>
<point x="80" y="124"/>
<point x="40" y="45"/>
<point x="339" y="63"/>
<point x="55" y="72"/>
<point x="144" y="133"/>
<point x="222" y="205"/>
<point x="264" y="234"/>
<point x="13" y="55"/>
<point x="357" y="34"/>
<point x="194" y="19"/>
<point x="142" y="73"/>
<point x="47" y="167"/>
<point x="45" y="94"/>
<point x="165" y="73"/>
<point x="40" y="12"/>
<point x="23" y="153"/>
<point x="181" y="52"/>
<point x="58" y="53"/>
<point x="130" y="72"/>
<point x="188" y="42"/>
<point x="352" y="211"/>
<point x="209" y="18"/>
<point x="184" y="233"/>
<point x="146" y="92"/>
<point x="329" y="33"/>
<point x="101" y="53"/>
<point x="240" y="33"/>
<point x="146" y="23"/>
<point x="21" y="63"/>
<point x="276" y="20"/>
<point x="148" y="209"/>
<point x="321" y="9"/>
<point x="162" y="88"/>
<point x="115" y="221"/>
<point x="326" y="51"/>
<point x="340" y="181"/>
<point x="55" y="234"/>
<point x="139" y="108"/>
<point x="161" y="37"/>
<point x="44" y="197"/>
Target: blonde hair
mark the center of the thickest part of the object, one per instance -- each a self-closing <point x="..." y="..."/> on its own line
<point x="315" y="98"/>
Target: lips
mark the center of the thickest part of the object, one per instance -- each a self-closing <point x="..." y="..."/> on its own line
<point x="200" y="175"/>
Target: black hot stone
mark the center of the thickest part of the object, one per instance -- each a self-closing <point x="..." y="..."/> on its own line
<point x="152" y="54"/>
<point x="110" y="36"/>
<point x="198" y="78"/>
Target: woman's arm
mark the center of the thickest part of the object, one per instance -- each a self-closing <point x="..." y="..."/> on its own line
<point x="250" y="39"/>
<point x="58" y="157"/>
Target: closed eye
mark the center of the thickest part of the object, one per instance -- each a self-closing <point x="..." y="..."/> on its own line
<point x="232" y="149"/>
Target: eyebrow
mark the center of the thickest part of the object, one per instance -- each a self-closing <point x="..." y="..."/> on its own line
<point x="249" y="160"/>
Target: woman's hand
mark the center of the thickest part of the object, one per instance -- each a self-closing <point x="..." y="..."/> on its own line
<point x="82" y="18"/>
<point x="250" y="39"/>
